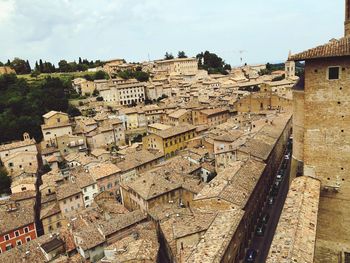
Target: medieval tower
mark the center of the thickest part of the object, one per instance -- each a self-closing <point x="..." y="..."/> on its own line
<point x="321" y="131"/>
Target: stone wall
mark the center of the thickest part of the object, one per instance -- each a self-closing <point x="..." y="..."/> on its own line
<point x="327" y="152"/>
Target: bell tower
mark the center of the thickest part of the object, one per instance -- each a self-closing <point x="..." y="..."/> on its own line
<point x="347" y="18"/>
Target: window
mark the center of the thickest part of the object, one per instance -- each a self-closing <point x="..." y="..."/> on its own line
<point x="86" y="198"/>
<point x="333" y="73"/>
<point x="26" y="230"/>
<point x="19" y="242"/>
<point x="77" y="197"/>
<point x="28" y="239"/>
<point x="7" y="237"/>
<point x="17" y="233"/>
<point x="8" y="247"/>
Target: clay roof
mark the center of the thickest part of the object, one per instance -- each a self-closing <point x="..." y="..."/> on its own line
<point x="82" y="178"/>
<point x="51" y="209"/>
<point x="175" y="131"/>
<point x="149" y="186"/>
<point x="134" y="158"/>
<point x="103" y="170"/>
<point x="214" y="111"/>
<point x="119" y="222"/>
<point x="89" y="236"/>
<point x="17" y="144"/>
<point x="295" y="236"/>
<point x="52" y="113"/>
<point x="139" y="246"/>
<point x="23" y="195"/>
<point x="21" y="215"/>
<point x="27" y="252"/>
<point x="66" y="190"/>
<point x="334" y="48"/>
<point x="235" y="184"/>
<point x="178" y="113"/>
<point x="215" y="241"/>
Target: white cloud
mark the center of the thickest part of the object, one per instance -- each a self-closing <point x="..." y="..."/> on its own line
<point x="101" y="29"/>
<point x="7" y="8"/>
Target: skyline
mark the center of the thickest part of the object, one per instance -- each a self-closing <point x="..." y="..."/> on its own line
<point x="35" y="30"/>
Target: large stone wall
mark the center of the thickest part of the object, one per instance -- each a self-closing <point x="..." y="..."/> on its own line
<point x="327" y="152"/>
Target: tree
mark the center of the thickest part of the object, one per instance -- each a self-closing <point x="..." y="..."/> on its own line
<point x="100" y="75"/>
<point x="22" y="104"/>
<point x="168" y="56"/>
<point x="20" y="66"/>
<point x="5" y="181"/>
<point x="35" y="74"/>
<point x="63" y="66"/>
<point x="95" y="93"/>
<point x="141" y="76"/>
<point x="29" y="68"/>
<point x="181" y="54"/>
<point x="73" y="111"/>
<point x="212" y="63"/>
<point x="41" y="66"/>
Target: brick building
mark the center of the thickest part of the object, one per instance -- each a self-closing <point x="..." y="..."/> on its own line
<point x="322" y="139"/>
<point x="17" y="224"/>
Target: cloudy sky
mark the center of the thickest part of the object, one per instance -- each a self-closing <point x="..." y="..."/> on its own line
<point x="138" y="29"/>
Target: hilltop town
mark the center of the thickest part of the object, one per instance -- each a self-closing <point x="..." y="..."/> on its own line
<point x="174" y="161"/>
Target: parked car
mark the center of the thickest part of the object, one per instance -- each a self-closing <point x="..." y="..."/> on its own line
<point x="270" y="200"/>
<point x="265" y="218"/>
<point x="286" y="156"/>
<point x="276" y="185"/>
<point x="251" y="255"/>
<point x="260" y="230"/>
<point x="284" y="164"/>
<point x="279" y="177"/>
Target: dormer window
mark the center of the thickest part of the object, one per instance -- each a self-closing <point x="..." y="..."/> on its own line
<point x="333" y="73"/>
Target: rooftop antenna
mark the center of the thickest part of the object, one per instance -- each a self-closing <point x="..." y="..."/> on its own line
<point x="241" y="55"/>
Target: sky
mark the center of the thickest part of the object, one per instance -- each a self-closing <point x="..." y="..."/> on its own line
<point x="138" y="30"/>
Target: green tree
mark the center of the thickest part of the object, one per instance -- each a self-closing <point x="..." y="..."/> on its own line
<point x="5" y="181"/>
<point x="63" y="66"/>
<point x="168" y="56"/>
<point x="20" y="66"/>
<point x="73" y="111"/>
<point x="101" y="75"/>
<point x="35" y="74"/>
<point x="181" y="54"/>
<point x="212" y="63"/>
<point x="141" y="76"/>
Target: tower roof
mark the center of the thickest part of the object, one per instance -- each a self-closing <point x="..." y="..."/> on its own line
<point x="334" y="48"/>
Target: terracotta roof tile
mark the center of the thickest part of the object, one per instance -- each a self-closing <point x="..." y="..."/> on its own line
<point x="334" y="48"/>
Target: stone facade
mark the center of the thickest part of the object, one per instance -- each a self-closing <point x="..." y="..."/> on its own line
<point x="322" y="144"/>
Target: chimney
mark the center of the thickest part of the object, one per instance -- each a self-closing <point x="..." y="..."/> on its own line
<point x="347" y="18"/>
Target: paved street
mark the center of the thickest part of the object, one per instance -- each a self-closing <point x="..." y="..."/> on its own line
<point x="262" y="244"/>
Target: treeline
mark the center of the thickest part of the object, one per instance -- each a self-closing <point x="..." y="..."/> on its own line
<point x="22" y="66"/>
<point x="22" y="105"/>
<point x="212" y="63"/>
<point x="137" y="74"/>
